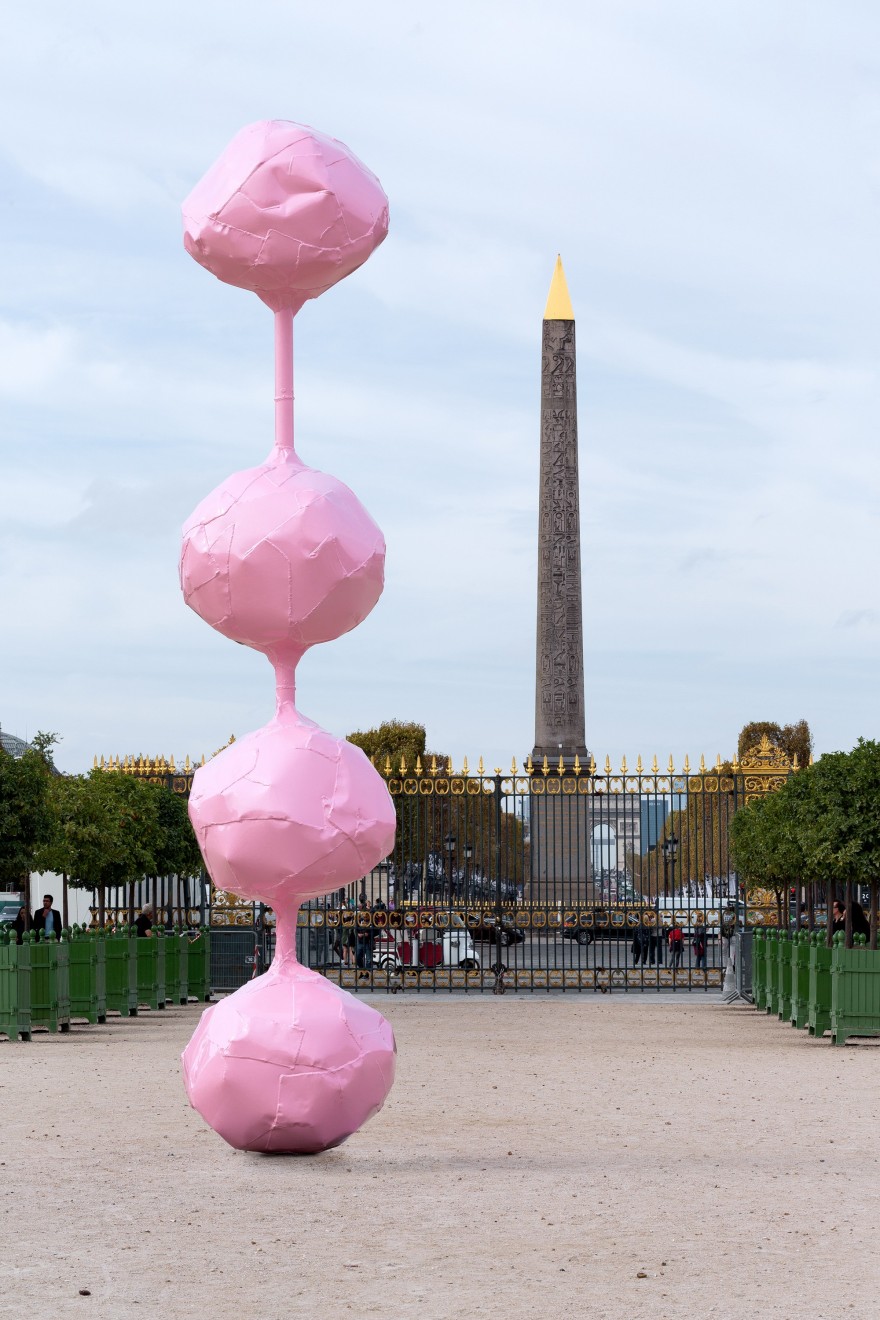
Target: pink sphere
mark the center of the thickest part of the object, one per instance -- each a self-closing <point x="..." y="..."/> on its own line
<point x="285" y="212"/>
<point x="281" y="555"/>
<point x="289" y="1063"/>
<point x="290" y="812"/>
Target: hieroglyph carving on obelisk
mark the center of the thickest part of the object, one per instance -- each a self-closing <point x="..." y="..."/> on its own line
<point x="559" y="697"/>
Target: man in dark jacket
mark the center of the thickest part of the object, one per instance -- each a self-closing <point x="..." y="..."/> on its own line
<point x="144" y="924"/>
<point x="47" y="920"/>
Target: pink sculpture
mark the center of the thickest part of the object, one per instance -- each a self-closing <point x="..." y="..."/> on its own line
<point x="281" y="557"/>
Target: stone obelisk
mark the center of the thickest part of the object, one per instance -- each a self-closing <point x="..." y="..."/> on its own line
<point x="559" y="696"/>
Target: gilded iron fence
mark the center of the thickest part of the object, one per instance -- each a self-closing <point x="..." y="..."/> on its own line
<point x="566" y="877"/>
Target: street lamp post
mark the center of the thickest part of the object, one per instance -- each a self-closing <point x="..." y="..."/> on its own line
<point x="670" y="848"/>
<point x="468" y="851"/>
<point x="449" y="845"/>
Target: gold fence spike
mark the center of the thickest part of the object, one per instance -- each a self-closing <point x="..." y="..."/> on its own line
<point x="671" y="766"/>
<point x="592" y="764"/>
<point x="811" y="758"/>
<point x="702" y="764"/>
<point x="655" y="769"/>
<point x="735" y="762"/>
<point x="561" y="766"/>
<point x="529" y="768"/>
<point x="545" y="768"/>
<point x="433" y="765"/>
<point x="419" y="765"/>
<point x="608" y="765"/>
<point x="387" y="770"/>
<point x="577" y="764"/>
<point x="172" y="767"/>
<point x="402" y="764"/>
<point x="231" y="739"/>
<point x="718" y="763"/>
<point x="480" y="768"/>
<point x="623" y="764"/>
<point x="513" y="769"/>
<point x="186" y="764"/>
<point x="498" y="769"/>
<point x="449" y="770"/>
<point x="464" y="768"/>
<point x="203" y="759"/>
<point x="95" y="765"/>
<point x="687" y="765"/>
<point x="639" y="765"/>
<point x="794" y="764"/>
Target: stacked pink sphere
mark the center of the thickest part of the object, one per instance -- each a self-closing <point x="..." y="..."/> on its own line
<point x="281" y="557"/>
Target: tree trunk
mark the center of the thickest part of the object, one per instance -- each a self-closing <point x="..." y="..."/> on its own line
<point x="102" y="906"/>
<point x="811" y="904"/>
<point x="64" y="921"/>
<point x="848" y="900"/>
<point x="873" y="914"/>
<point x="830" y="890"/>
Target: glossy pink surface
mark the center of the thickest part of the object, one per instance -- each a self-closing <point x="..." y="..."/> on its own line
<point x="289" y="1063"/>
<point x="290" y="812"/>
<point x="281" y="557"/>
<point x="285" y="212"/>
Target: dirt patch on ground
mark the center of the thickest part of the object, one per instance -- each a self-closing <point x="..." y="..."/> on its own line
<point x="537" y="1157"/>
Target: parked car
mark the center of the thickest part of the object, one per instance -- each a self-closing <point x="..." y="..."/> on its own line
<point x="572" y="930"/>
<point x="487" y="930"/>
<point x="449" y="947"/>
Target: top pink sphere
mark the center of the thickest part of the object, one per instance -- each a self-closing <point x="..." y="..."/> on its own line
<point x="285" y="212"/>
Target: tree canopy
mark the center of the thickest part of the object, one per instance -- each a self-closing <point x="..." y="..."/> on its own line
<point x="25" y="815"/>
<point x="795" y="740"/>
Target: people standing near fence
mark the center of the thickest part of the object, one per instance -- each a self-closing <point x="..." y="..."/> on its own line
<point x="364" y="948"/>
<point x="47" y="920"/>
<point x="699" y="945"/>
<point x="675" y="941"/>
<point x="641" y="946"/>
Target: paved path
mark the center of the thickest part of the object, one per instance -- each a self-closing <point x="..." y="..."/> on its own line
<point x="537" y="1155"/>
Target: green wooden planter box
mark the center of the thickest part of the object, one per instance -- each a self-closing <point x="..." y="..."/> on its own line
<point x="770" y="972"/>
<point x="800" y="980"/>
<point x="15" y="987"/>
<point x="147" y="955"/>
<point x="855" y="991"/>
<point x="819" y="1011"/>
<point x="183" y="966"/>
<point x="171" y="945"/>
<point x="759" y="977"/>
<point x="120" y="973"/>
<point x="199" y="966"/>
<point x="783" y="976"/>
<point x="50" y="983"/>
<point x="83" y="954"/>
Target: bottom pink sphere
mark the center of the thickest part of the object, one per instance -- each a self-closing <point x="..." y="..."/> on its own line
<point x="289" y="1063"/>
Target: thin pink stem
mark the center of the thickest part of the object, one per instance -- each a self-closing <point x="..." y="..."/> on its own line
<point x="284" y="380"/>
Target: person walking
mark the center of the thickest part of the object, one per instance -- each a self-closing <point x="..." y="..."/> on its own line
<point x="699" y="945"/>
<point x="47" y="920"/>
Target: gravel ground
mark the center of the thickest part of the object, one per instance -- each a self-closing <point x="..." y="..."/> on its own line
<point x="609" y="1156"/>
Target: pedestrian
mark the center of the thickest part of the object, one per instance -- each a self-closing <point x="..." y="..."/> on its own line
<point x="641" y="945"/>
<point x="364" y="944"/>
<point x="675" y="941"/>
<point x="21" y="924"/>
<point x="144" y="923"/>
<point x="47" y="920"/>
<point x="699" y="945"/>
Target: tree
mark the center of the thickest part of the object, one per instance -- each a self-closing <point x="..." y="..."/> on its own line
<point x="426" y="820"/>
<point x="842" y="832"/>
<point x="105" y="830"/>
<point x="767" y="839"/>
<point x="795" y="740"/>
<point x="25" y="817"/>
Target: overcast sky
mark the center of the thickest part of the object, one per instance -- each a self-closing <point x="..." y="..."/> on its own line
<point x="710" y="174"/>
